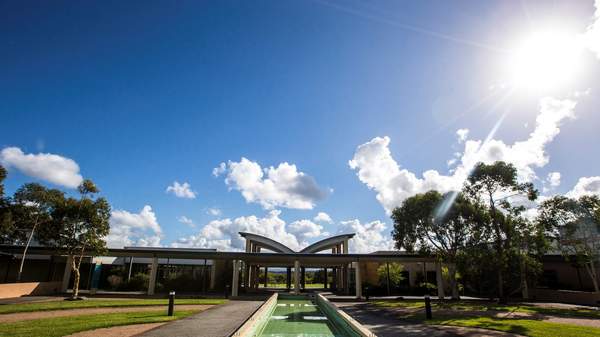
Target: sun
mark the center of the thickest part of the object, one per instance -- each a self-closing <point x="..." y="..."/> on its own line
<point x="544" y="61"/>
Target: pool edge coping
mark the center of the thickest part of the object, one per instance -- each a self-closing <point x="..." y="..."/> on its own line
<point x="354" y="324"/>
<point x="253" y="322"/>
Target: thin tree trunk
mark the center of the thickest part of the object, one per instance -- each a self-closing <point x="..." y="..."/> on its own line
<point x="499" y="250"/>
<point x="25" y="250"/>
<point x="453" y="282"/>
<point x="75" y="267"/>
<point x="591" y="269"/>
<point x="524" y="287"/>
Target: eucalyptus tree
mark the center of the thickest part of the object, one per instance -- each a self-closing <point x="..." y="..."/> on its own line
<point x="6" y="223"/>
<point x="419" y="226"/>
<point x="574" y="225"/>
<point x="80" y="227"/>
<point x="32" y="207"/>
<point x="496" y="185"/>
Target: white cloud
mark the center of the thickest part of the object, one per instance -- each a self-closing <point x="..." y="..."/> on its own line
<point x="585" y="186"/>
<point x="379" y="171"/>
<point x="370" y="237"/>
<point x="591" y="38"/>
<point x="223" y="234"/>
<point x="45" y="166"/>
<point x="186" y="221"/>
<point x="323" y="217"/>
<point x="217" y="171"/>
<point x="462" y="135"/>
<point x="181" y="190"/>
<point x="552" y="181"/>
<point x="134" y="229"/>
<point x="305" y="230"/>
<point x="214" y="211"/>
<point x="282" y="186"/>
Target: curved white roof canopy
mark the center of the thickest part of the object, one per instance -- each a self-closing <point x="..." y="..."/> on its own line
<point x="278" y="247"/>
<point x="327" y="243"/>
<point x="266" y="243"/>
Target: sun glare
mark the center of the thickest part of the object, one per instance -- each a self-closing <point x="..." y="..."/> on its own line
<point x="544" y="61"/>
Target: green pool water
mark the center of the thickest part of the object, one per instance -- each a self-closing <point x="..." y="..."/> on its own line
<point x="299" y="318"/>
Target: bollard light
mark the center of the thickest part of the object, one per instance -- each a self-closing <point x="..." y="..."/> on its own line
<point x="171" y="303"/>
<point x="427" y="307"/>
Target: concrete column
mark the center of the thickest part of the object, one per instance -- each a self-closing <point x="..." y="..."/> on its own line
<point x="213" y="275"/>
<point x="357" y="280"/>
<point x="130" y="267"/>
<point x="66" y="275"/>
<point x="153" y="272"/>
<point x="235" y="282"/>
<point x="440" y="280"/>
<point x="296" y="277"/>
<point x="333" y="279"/>
<point x="266" y="276"/>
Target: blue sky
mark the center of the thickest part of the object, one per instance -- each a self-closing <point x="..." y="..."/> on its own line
<point x="142" y="94"/>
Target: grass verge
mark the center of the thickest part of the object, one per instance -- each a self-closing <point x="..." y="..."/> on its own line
<point x="99" y="303"/>
<point x="490" y="307"/>
<point x="525" y="327"/>
<point x="62" y="326"/>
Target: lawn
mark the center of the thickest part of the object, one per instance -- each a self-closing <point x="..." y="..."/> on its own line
<point x="62" y="326"/>
<point x="526" y="327"/>
<point x="491" y="307"/>
<point x="99" y="303"/>
<point x="480" y="315"/>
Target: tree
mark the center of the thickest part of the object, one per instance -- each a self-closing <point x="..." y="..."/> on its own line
<point x="390" y="275"/>
<point x="496" y="185"/>
<point x="6" y="223"/>
<point x="574" y="224"/>
<point x="424" y="223"/>
<point x="80" y="226"/>
<point x="32" y="207"/>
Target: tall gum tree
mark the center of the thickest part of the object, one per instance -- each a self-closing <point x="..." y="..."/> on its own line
<point x="80" y="227"/>
<point x="32" y="207"/>
<point x="419" y="225"/>
<point x="495" y="185"/>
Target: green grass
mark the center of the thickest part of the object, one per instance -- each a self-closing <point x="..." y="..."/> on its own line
<point x="526" y="327"/>
<point x="62" y="326"/>
<point x="490" y="307"/>
<point x="98" y="303"/>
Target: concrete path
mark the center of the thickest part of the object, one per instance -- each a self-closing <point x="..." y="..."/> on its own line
<point x="385" y="324"/>
<point x="219" y="321"/>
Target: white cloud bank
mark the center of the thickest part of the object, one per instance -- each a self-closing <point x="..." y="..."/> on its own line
<point x="134" y="229"/>
<point x="45" y="166"/>
<point x="181" y="190"/>
<point x="370" y="237"/>
<point x="377" y="168"/>
<point x="223" y="234"/>
<point x="585" y="186"/>
<point x="281" y="186"/>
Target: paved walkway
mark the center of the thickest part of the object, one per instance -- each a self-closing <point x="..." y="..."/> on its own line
<point x="385" y="324"/>
<point x="219" y="321"/>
